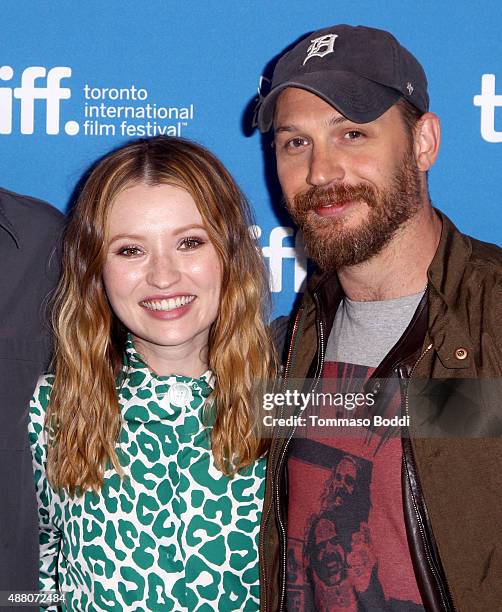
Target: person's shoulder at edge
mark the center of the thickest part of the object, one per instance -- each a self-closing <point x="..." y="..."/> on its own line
<point x="37" y="228"/>
<point x="483" y="268"/>
<point x="485" y="254"/>
<point x="19" y="207"/>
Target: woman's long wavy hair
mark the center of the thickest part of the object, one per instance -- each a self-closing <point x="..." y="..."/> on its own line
<point x="83" y="419"/>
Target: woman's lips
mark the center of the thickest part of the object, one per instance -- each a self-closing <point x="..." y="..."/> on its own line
<point x="170" y="308"/>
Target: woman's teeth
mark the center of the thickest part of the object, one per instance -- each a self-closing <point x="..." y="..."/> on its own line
<point x="169" y="304"/>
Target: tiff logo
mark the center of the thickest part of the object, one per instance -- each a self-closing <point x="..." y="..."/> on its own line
<point x="30" y="91"/>
<point x="488" y="101"/>
<point x="276" y="252"/>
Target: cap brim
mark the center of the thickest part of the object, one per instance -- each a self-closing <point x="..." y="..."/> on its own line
<point x="355" y="97"/>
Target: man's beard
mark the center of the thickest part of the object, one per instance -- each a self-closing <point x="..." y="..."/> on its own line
<point x="332" y="245"/>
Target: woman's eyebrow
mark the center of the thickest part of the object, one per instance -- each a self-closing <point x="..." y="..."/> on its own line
<point x="125" y="236"/>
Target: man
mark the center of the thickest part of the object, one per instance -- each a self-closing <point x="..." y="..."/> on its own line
<point x="341" y="486"/>
<point x="29" y="234"/>
<point x="401" y="298"/>
<point x="326" y="552"/>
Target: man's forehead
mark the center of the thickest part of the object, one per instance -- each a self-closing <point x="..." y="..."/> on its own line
<point x="295" y="105"/>
<point x="346" y="463"/>
<point x="325" y="530"/>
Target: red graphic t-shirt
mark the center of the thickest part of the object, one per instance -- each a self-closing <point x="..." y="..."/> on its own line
<point x="346" y="540"/>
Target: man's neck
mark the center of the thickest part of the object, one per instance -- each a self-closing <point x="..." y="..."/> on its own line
<point x="401" y="267"/>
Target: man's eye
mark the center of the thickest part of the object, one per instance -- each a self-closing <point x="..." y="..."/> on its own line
<point x="296" y="143"/>
<point x="130" y="251"/>
<point x="190" y="243"/>
<point x="353" y="135"/>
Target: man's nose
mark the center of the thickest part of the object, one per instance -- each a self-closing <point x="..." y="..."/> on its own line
<point x="163" y="271"/>
<point x="330" y="547"/>
<point x="326" y="166"/>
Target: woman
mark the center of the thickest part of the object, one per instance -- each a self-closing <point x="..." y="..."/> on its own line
<point x="147" y="455"/>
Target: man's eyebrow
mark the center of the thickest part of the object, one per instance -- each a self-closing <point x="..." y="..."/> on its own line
<point x="285" y="128"/>
<point x="335" y="120"/>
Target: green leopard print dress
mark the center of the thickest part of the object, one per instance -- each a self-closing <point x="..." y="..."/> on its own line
<point x="175" y="533"/>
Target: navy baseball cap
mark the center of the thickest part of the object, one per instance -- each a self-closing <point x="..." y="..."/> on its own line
<point x="360" y="71"/>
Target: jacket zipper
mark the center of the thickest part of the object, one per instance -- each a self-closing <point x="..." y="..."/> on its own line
<point x="290" y="352"/>
<point x="267" y="517"/>
<point x="406" y="400"/>
<point x="430" y="560"/>
<point x="320" y="361"/>
<point x="320" y="354"/>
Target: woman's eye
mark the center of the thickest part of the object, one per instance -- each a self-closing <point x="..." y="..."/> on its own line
<point x="130" y="251"/>
<point x="190" y="243"/>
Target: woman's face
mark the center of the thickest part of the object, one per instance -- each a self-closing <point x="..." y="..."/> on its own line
<point x="162" y="275"/>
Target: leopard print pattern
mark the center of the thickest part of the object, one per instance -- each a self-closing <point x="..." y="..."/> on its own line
<point x="174" y="533"/>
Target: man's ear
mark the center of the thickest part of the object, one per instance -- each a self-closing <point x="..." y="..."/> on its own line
<point x="426" y="141"/>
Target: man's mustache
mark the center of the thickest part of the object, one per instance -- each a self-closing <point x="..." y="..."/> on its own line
<point x="316" y="197"/>
<point x="334" y="558"/>
<point x="341" y="490"/>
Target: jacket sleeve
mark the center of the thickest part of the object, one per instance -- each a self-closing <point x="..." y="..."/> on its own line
<point x="49" y="534"/>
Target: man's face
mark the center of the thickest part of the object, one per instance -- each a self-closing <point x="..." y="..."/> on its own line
<point x="349" y="186"/>
<point x="344" y="481"/>
<point x="328" y="554"/>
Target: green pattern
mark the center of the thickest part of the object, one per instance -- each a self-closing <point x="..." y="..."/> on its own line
<point x="175" y="533"/>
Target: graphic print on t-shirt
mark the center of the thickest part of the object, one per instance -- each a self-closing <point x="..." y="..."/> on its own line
<point x="346" y="539"/>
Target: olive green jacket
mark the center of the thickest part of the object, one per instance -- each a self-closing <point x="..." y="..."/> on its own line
<point x="460" y="477"/>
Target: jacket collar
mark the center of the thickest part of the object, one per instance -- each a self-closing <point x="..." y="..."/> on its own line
<point x="446" y="271"/>
<point x="7" y="226"/>
<point x="447" y="329"/>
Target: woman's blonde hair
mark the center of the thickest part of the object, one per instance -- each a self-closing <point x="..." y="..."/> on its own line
<point x="83" y="419"/>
